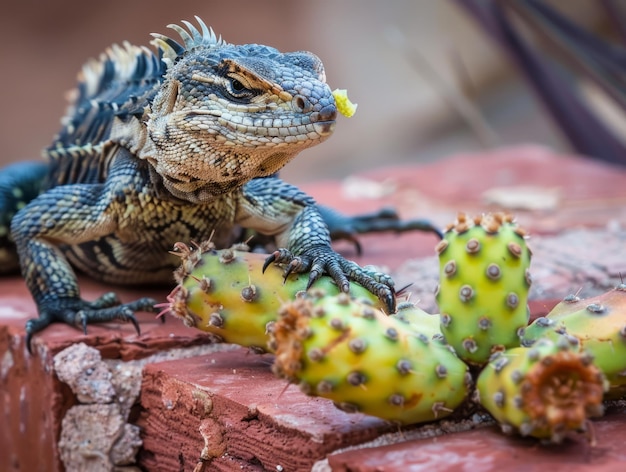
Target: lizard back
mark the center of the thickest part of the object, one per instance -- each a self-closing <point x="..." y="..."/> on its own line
<point x="121" y="83"/>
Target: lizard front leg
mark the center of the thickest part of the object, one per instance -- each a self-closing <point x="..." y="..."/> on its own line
<point x="309" y="250"/>
<point x="271" y="206"/>
<point x="66" y="215"/>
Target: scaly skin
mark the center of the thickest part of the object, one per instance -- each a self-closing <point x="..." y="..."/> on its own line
<point x="19" y="184"/>
<point x="484" y="284"/>
<point x="596" y="326"/>
<point x="179" y="145"/>
<point x="225" y="293"/>
<point x="546" y="391"/>
<point x="364" y="360"/>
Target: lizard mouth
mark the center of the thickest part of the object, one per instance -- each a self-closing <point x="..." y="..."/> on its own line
<point x="324" y="128"/>
<point x="183" y="179"/>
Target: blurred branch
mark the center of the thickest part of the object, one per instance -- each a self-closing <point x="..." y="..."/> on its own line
<point x="590" y="58"/>
<point x="602" y="62"/>
<point x="468" y="112"/>
<point x="617" y="16"/>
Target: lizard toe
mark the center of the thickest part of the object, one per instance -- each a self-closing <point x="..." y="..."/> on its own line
<point x="34" y="325"/>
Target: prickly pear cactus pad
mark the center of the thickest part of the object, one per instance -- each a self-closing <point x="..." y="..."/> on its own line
<point x="545" y="391"/>
<point x="416" y="318"/>
<point x="361" y="359"/>
<point x="225" y="293"/>
<point x="483" y="285"/>
<point x="597" y="326"/>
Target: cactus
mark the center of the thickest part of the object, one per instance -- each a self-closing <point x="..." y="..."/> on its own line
<point x="544" y="391"/>
<point x="362" y="360"/>
<point x="597" y="326"/>
<point x="417" y="319"/>
<point x="484" y="284"/>
<point x="225" y="293"/>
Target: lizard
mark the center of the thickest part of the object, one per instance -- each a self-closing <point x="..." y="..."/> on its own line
<point x="180" y="144"/>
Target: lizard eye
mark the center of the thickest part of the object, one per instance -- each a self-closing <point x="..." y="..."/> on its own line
<point x="237" y="88"/>
<point x="236" y="85"/>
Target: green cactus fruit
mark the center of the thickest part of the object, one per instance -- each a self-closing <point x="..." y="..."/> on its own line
<point x="419" y="320"/>
<point x="545" y="391"/>
<point x="225" y="293"/>
<point x="483" y="286"/>
<point x="596" y="325"/>
<point x="363" y="360"/>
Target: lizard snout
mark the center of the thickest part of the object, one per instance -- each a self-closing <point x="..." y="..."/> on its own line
<point x="324" y="120"/>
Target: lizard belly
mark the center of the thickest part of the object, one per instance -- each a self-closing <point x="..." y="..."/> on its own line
<point x="138" y="251"/>
<point x="110" y="260"/>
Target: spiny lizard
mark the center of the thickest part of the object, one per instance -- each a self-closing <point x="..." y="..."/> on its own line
<point x="178" y="145"/>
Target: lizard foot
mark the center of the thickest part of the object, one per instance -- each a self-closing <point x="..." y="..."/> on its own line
<point x="77" y="312"/>
<point x="323" y="260"/>
<point x="386" y="219"/>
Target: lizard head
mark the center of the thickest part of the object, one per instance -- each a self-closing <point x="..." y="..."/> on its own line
<point x="225" y="114"/>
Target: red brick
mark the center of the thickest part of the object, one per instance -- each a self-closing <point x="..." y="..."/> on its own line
<point x="249" y="409"/>
<point x="246" y="414"/>
<point x="33" y="400"/>
<point x="591" y="193"/>
<point x="488" y="450"/>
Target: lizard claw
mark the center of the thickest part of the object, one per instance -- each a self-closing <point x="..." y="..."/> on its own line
<point x="321" y="260"/>
<point x="291" y="267"/>
<point x="269" y="261"/>
<point x="389" y="299"/>
<point x="294" y="264"/>
<point x="281" y="256"/>
<point x="33" y="326"/>
<point x="82" y="316"/>
<point x="313" y="276"/>
<point x="123" y="312"/>
<point x="77" y="312"/>
<point x="135" y="323"/>
<point x="29" y="337"/>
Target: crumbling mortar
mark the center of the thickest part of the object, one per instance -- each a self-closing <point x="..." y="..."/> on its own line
<point x="96" y="433"/>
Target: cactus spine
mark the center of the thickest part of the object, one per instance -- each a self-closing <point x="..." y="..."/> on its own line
<point x="363" y="360"/>
<point x="545" y="391"/>
<point x="597" y="326"/>
<point x="225" y="293"/>
<point x="484" y="283"/>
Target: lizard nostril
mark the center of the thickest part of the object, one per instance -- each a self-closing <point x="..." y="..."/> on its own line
<point x="301" y="104"/>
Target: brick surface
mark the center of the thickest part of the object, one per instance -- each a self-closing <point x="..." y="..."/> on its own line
<point x="33" y="401"/>
<point x="228" y="406"/>
<point x="488" y="450"/>
<point x="571" y="191"/>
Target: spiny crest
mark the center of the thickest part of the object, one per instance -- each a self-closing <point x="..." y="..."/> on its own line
<point x="119" y="83"/>
<point x="122" y="63"/>
<point x="192" y="38"/>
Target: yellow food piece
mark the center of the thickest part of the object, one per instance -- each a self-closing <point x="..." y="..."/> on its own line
<point x="344" y="105"/>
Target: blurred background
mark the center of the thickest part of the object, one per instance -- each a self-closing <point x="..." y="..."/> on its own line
<point x="407" y="63"/>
